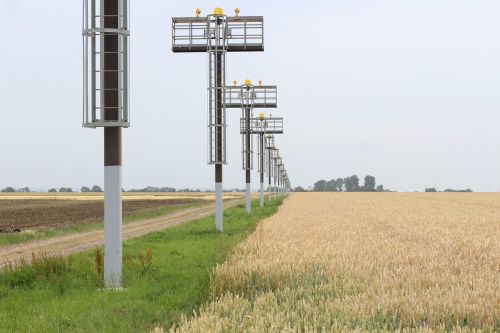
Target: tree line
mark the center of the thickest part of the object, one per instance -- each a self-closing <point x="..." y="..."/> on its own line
<point x="348" y="184"/>
<point x="95" y="188"/>
<point x="433" y="189"/>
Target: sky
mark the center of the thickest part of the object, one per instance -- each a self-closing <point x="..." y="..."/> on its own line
<point x="407" y="91"/>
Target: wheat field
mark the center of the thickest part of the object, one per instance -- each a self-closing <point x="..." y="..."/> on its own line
<point x="339" y="262"/>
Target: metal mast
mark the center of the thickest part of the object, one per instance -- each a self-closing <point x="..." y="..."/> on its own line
<point x="270" y="147"/>
<point x="247" y="150"/>
<point x="217" y="34"/>
<point x="262" y="160"/>
<point x="105" y="104"/>
<point x="277" y="162"/>
<point x="265" y="128"/>
<point x="249" y="97"/>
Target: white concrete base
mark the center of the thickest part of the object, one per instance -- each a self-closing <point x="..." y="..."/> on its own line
<point x="248" y="205"/>
<point x="219" y="210"/>
<point x="113" y="227"/>
<point x="261" y="195"/>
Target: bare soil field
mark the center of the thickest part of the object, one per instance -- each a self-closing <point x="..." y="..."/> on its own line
<point x="77" y="242"/>
<point x="40" y="214"/>
<point x="363" y="262"/>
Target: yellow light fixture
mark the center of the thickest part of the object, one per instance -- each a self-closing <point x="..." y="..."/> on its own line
<point x="260" y="83"/>
<point x="237" y="11"/>
<point x="235" y="83"/>
<point x="218" y="11"/>
<point x="262" y="116"/>
<point x="198" y="12"/>
<point x="248" y="82"/>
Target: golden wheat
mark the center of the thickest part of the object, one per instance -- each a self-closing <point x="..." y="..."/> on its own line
<point x="361" y="262"/>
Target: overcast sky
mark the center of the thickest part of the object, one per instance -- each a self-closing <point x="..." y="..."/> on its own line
<point x="407" y="91"/>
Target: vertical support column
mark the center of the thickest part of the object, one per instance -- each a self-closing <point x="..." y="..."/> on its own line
<point x="112" y="148"/>
<point x="280" y="184"/>
<point x="270" y="165"/>
<point x="248" y="165"/>
<point x="274" y="180"/>
<point x="278" y="189"/>
<point x="219" y="137"/>
<point x="261" y="168"/>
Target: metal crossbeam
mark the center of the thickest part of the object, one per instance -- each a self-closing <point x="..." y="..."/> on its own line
<point x="263" y="97"/>
<point x="263" y="125"/>
<point x="242" y="34"/>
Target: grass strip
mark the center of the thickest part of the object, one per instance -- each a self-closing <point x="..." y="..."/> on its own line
<point x="166" y="274"/>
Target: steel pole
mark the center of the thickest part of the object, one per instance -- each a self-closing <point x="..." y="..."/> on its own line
<point x="261" y="150"/>
<point x="274" y="181"/>
<point x="248" y="156"/>
<point x="112" y="149"/>
<point x="269" y="175"/>
<point x="219" y="209"/>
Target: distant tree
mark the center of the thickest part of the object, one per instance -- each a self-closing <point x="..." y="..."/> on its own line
<point x="9" y="189"/>
<point x="339" y="184"/>
<point x="96" y="188"/>
<point x="299" y="189"/>
<point x="369" y="185"/>
<point x="65" y="189"/>
<point x="24" y="189"/>
<point x="452" y="190"/>
<point x="167" y="189"/>
<point x="351" y="183"/>
<point x="156" y="189"/>
<point x="52" y="190"/>
<point x="85" y="189"/>
<point x="348" y="184"/>
<point x="331" y="186"/>
<point x="320" y="186"/>
<point x="430" y="189"/>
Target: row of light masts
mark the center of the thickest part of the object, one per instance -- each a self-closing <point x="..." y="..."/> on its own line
<point x="218" y="34"/>
<point x="106" y="104"/>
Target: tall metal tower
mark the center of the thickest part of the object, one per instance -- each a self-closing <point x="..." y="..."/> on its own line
<point x="281" y="172"/>
<point x="249" y="97"/>
<point x="264" y="127"/>
<point x="270" y="147"/>
<point x="286" y="181"/>
<point x="106" y="104"/>
<point x="276" y="163"/>
<point x="217" y="34"/>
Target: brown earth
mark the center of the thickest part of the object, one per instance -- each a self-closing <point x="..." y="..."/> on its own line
<point x="40" y="215"/>
<point x="77" y="242"/>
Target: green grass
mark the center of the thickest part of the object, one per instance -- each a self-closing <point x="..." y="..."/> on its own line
<point x="63" y="294"/>
<point x="23" y="237"/>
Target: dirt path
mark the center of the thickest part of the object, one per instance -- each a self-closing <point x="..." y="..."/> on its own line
<point x="77" y="242"/>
